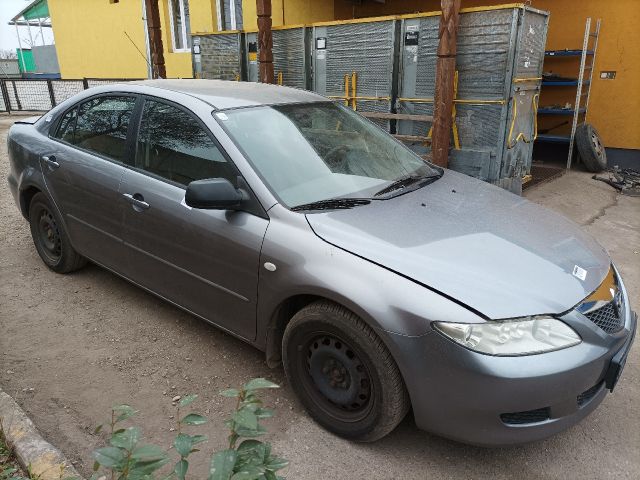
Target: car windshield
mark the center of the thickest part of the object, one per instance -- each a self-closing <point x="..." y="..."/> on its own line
<point x="312" y="152"/>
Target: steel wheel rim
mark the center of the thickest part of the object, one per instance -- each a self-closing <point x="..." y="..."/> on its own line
<point x="335" y="377"/>
<point x="48" y="235"/>
<point x="597" y="146"/>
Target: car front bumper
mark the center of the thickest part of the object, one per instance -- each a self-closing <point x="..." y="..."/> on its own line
<point x="497" y="401"/>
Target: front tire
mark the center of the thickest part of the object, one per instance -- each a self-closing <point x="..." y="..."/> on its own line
<point x="343" y="374"/>
<point x="50" y="238"/>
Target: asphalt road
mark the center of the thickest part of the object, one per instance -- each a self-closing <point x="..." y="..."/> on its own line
<point x="71" y="346"/>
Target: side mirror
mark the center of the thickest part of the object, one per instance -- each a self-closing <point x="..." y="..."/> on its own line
<point x="213" y="194"/>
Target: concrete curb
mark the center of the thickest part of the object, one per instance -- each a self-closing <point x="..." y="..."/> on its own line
<point x="30" y="449"/>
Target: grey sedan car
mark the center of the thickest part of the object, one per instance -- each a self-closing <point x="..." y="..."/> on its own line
<point x="380" y="281"/>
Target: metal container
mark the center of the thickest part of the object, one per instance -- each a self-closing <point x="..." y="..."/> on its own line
<point x="499" y="64"/>
<point x="218" y="55"/>
<point x="356" y="62"/>
<point x="290" y="56"/>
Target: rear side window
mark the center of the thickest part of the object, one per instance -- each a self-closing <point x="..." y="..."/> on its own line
<point x="173" y="145"/>
<point x="102" y="124"/>
<point x="67" y="126"/>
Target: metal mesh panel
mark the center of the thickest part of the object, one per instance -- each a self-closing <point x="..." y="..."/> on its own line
<point x="530" y="55"/>
<point x="3" y="106"/>
<point x="64" y="89"/>
<point x="483" y="51"/>
<point x="220" y="56"/>
<point x="288" y="56"/>
<point x="28" y="95"/>
<point x="478" y="125"/>
<point x="366" y="48"/>
<point x="375" y="106"/>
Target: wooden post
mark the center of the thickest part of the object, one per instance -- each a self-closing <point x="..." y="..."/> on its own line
<point x="445" y="72"/>
<point x="265" y="41"/>
<point x="158" y="69"/>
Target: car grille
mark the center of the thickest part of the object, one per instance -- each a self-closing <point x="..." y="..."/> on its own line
<point x="607" y="317"/>
<point x="530" y="416"/>
<point x="586" y="396"/>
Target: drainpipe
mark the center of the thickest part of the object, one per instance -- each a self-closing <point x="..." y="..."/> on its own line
<point x="21" y="60"/>
<point x="147" y="47"/>
<point x="445" y="73"/>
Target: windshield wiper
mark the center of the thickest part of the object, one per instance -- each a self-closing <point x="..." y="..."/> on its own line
<point x="332" y="204"/>
<point x="406" y="181"/>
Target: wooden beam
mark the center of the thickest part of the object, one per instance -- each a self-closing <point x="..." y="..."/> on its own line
<point x="158" y="69"/>
<point x="445" y="72"/>
<point x="265" y="41"/>
<point x="397" y="116"/>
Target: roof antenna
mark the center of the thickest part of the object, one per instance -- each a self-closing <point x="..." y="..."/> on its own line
<point x="136" y="47"/>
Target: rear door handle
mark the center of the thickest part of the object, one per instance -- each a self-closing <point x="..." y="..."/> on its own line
<point x="51" y="162"/>
<point x="137" y="201"/>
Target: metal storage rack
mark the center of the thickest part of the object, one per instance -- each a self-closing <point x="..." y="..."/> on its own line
<point x="582" y="84"/>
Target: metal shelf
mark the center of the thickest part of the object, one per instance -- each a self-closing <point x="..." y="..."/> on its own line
<point x="545" y="137"/>
<point x="567" y="53"/>
<point x="563" y="83"/>
<point x="560" y="111"/>
<point x="582" y="86"/>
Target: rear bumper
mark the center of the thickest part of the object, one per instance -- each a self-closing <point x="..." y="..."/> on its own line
<point x="498" y="401"/>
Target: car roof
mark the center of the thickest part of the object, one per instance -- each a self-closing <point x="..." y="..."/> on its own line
<point x="223" y="94"/>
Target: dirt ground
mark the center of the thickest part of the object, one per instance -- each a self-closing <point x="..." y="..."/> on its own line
<point x="73" y="345"/>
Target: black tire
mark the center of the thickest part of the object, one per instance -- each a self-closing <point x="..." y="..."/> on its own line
<point x="342" y="372"/>
<point x="50" y="238"/>
<point x="590" y="148"/>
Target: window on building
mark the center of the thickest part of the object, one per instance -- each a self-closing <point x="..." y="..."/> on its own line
<point x="173" y="145"/>
<point x="180" y="25"/>
<point x="230" y="14"/>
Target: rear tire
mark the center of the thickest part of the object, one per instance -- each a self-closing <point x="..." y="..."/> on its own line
<point x="590" y="147"/>
<point x="50" y="238"/>
<point x="342" y="373"/>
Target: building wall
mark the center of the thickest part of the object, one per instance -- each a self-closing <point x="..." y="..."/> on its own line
<point x="91" y="42"/>
<point x="289" y="12"/>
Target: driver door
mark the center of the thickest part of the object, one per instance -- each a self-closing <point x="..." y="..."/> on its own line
<point x="206" y="261"/>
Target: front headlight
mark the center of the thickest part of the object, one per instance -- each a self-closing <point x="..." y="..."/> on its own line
<point x="524" y="336"/>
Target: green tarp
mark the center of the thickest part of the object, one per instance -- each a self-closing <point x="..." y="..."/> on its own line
<point x="36" y="10"/>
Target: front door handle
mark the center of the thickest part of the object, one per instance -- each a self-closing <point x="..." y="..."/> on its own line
<point x="137" y="201"/>
<point x="51" y="161"/>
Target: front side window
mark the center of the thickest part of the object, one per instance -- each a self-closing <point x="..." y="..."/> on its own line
<point x="102" y="125"/>
<point x="319" y="151"/>
<point x="173" y="145"/>
<point x="180" y="25"/>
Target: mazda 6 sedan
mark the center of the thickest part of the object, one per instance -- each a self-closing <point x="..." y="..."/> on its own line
<point x="381" y="282"/>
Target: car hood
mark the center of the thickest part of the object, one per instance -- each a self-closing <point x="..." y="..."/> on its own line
<point x="497" y="253"/>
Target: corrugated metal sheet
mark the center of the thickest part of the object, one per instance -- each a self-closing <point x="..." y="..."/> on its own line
<point x="289" y="56"/>
<point x="366" y="48"/>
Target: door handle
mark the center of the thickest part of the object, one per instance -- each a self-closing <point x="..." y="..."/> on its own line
<point x="51" y="162"/>
<point x="137" y="201"/>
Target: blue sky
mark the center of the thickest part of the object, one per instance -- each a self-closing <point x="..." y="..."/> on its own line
<point x="8" y="38"/>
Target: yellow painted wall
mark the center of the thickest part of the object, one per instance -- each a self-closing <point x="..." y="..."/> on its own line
<point x="91" y="42"/>
<point x="614" y="107"/>
<point x="289" y="12"/>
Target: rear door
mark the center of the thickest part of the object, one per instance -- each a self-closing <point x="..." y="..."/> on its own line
<point x="83" y="169"/>
<point x="203" y="260"/>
